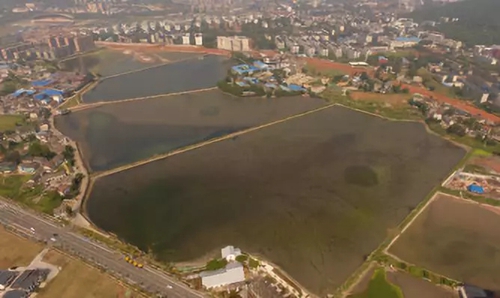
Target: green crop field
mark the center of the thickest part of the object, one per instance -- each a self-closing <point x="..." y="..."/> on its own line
<point x="379" y="287"/>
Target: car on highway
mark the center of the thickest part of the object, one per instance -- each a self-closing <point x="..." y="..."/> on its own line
<point x="169" y="287"/>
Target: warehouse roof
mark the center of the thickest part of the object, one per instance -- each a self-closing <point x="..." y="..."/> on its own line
<point x="15" y="294"/>
<point x="30" y="278"/>
<point x="7" y="276"/>
<point x="233" y="273"/>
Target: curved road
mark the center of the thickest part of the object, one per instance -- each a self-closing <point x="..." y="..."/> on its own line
<point x="148" y="278"/>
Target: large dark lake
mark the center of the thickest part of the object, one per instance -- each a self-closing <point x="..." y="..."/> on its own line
<point x="108" y="62"/>
<point x="314" y="195"/>
<point x="190" y="74"/>
<point x="117" y="134"/>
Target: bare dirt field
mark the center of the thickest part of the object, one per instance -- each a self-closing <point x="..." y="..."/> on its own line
<point x="455" y="238"/>
<point x="78" y="280"/>
<point x="16" y="251"/>
<point x="322" y="64"/>
<point x="489" y="164"/>
<point x="390" y="99"/>
<point x="413" y="287"/>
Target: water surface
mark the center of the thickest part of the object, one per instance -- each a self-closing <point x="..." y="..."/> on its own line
<point x="181" y="76"/>
<point x="117" y="134"/>
<point x="315" y="195"/>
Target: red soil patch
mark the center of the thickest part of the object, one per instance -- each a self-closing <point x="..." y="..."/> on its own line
<point x="461" y="105"/>
<point x="392" y="99"/>
<point x="490" y="163"/>
<point x="322" y="64"/>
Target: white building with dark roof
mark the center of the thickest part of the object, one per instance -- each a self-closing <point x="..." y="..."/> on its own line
<point x="232" y="273"/>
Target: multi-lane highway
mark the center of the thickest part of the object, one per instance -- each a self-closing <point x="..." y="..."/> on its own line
<point x="148" y="278"/>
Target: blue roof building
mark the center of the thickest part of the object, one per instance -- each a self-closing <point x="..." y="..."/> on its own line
<point x="475" y="189"/>
<point x="243" y="69"/>
<point x="295" y="87"/>
<point x="285" y="88"/>
<point x="408" y="39"/>
<point x="42" y="83"/>
<point x="260" y="65"/>
<point x="49" y="94"/>
<point x="22" y="92"/>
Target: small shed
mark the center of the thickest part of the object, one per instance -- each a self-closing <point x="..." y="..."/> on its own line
<point x="475" y="189"/>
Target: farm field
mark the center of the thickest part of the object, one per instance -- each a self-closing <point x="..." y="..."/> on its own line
<point x="375" y="282"/>
<point x="395" y="100"/>
<point x="413" y="287"/>
<point x="314" y="195"/>
<point x="78" y="280"/>
<point x="324" y="65"/>
<point x="456" y="238"/>
<point x="380" y="286"/>
<point x="16" y="251"/>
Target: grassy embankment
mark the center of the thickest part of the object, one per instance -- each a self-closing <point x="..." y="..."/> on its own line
<point x="11" y="186"/>
<point x="379" y="287"/>
<point x="10" y="122"/>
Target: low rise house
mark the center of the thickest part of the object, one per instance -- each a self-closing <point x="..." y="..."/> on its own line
<point x="230" y="253"/>
<point x="50" y="177"/>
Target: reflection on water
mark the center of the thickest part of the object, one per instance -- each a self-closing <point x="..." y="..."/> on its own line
<point x="280" y="192"/>
<point x="181" y="76"/>
<point x="118" y="134"/>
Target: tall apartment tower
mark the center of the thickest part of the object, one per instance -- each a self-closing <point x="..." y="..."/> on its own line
<point x="233" y="43"/>
<point x="198" y="39"/>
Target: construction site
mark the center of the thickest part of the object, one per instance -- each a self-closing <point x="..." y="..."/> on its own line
<point x="487" y="185"/>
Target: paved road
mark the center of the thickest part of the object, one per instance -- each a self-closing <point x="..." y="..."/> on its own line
<point x="148" y="278"/>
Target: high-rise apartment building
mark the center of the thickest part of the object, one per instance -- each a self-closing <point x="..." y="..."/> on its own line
<point x="233" y="43"/>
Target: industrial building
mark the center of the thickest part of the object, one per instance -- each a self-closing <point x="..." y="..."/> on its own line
<point x="469" y="291"/>
<point x="29" y="280"/>
<point x="16" y="294"/>
<point x="233" y="43"/>
<point x="6" y="278"/>
<point x="233" y="273"/>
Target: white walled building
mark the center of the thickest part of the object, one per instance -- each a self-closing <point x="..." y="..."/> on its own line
<point x="198" y="39"/>
<point x="230" y="253"/>
<point x="185" y="39"/>
<point x="233" y="43"/>
<point x="233" y="273"/>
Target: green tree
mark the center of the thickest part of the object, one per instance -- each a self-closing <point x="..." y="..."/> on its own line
<point x="242" y="258"/>
<point x="253" y="263"/>
<point x="13" y="156"/>
<point x="216" y="264"/>
<point x="69" y="155"/>
<point x="38" y="149"/>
